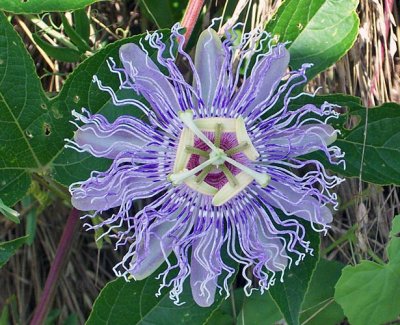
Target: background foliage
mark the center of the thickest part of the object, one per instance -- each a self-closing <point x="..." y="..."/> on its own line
<point x="49" y="52"/>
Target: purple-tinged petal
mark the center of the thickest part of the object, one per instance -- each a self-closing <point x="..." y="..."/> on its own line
<point x="204" y="272"/>
<point x="264" y="79"/>
<point x="120" y="184"/>
<point x="150" y="256"/>
<point x="104" y="139"/>
<point x="275" y="257"/>
<point x="301" y="205"/>
<point x="148" y="80"/>
<point x="302" y="140"/>
<point x="208" y="61"/>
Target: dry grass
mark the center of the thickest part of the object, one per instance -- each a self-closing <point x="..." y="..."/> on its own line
<point x="370" y="70"/>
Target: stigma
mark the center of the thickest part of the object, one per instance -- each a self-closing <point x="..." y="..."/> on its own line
<point x="213" y="157"/>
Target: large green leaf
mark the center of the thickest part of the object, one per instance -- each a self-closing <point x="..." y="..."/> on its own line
<point x="371" y="137"/>
<point x="369" y="292"/>
<point x="27" y="138"/>
<point x="375" y="141"/>
<point x="8" y="249"/>
<point x="134" y="302"/>
<point x="289" y="294"/>
<point x="39" y="6"/>
<point x="33" y="128"/>
<point x="319" y="31"/>
<point x="319" y="306"/>
<point x="259" y="309"/>
<point x="164" y="13"/>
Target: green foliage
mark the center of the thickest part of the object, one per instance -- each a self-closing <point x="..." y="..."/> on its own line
<point x="8" y="249"/>
<point x="319" y="31"/>
<point x="33" y="128"/>
<point x="259" y="309"/>
<point x="24" y="142"/>
<point x="9" y="213"/>
<point x="40" y="6"/>
<point x="369" y="292"/>
<point x="134" y="302"/>
<point x="289" y="294"/>
<point x="4" y="316"/>
<point x="368" y="136"/>
<point x="59" y="53"/>
<point x="164" y="13"/>
<point x="319" y="306"/>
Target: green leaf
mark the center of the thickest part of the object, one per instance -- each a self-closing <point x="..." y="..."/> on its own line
<point x="79" y="91"/>
<point x="164" y="13"/>
<point x="381" y="150"/>
<point x="319" y="31"/>
<point x="25" y="143"/>
<point x="319" y="306"/>
<point x="9" y="213"/>
<point x="369" y="292"/>
<point x="259" y="309"/>
<point x="8" y="249"/>
<point x="290" y="293"/>
<point x="230" y="307"/>
<point x="82" y="24"/>
<point x="59" y="53"/>
<point x="74" y="36"/>
<point x="33" y="128"/>
<point x="4" y="316"/>
<point x="134" y="302"/>
<point x="40" y="6"/>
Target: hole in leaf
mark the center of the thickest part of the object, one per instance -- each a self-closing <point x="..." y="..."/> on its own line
<point x="43" y="106"/>
<point x="352" y="122"/>
<point x="46" y="129"/>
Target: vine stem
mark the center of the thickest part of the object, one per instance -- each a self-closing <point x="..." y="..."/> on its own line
<point x="60" y="260"/>
<point x="190" y="17"/>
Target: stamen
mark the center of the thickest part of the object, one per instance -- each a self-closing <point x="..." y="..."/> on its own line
<point x="187" y="119"/>
<point x="242" y="146"/>
<point x="203" y="174"/>
<point x="178" y="178"/>
<point x="196" y="151"/>
<point x="231" y="178"/>
<point x="262" y="179"/>
<point x="218" y="133"/>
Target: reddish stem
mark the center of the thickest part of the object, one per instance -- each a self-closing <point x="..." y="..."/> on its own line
<point x="190" y="17"/>
<point x="63" y="250"/>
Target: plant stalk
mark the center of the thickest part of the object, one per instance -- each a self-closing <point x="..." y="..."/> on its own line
<point x="58" y="265"/>
<point x="190" y="17"/>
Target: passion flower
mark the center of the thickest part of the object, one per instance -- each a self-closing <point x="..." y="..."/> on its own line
<point x="218" y="156"/>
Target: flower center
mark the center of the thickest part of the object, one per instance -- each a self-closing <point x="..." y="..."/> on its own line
<point x="213" y="155"/>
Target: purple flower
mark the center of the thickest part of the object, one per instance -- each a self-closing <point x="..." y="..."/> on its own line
<point x="217" y="157"/>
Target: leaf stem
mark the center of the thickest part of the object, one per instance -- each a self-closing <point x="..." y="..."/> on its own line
<point x="190" y="17"/>
<point x="60" y="260"/>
